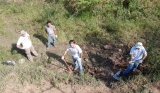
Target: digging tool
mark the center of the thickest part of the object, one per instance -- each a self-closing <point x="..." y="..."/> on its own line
<point x="69" y="69"/>
<point x="116" y="76"/>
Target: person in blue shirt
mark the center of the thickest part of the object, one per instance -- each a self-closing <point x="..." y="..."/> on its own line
<point x="138" y="54"/>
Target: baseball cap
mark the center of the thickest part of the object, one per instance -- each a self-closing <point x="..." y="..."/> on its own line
<point x="23" y="32"/>
<point x="138" y="45"/>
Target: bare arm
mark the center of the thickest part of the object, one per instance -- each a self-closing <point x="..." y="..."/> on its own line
<point x="81" y="55"/>
<point x="144" y="56"/>
<point x="19" y="46"/>
<point x="131" y="57"/>
<point x="46" y="31"/>
<point x="55" y="32"/>
<point x="65" y="53"/>
<point x="29" y="38"/>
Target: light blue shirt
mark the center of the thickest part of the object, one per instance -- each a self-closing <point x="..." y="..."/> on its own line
<point x="137" y="53"/>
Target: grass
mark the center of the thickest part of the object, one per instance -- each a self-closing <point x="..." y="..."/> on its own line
<point x="135" y="83"/>
<point x="107" y="23"/>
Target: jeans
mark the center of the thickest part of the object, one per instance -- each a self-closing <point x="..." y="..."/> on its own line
<point x="50" y="38"/>
<point x="78" y="64"/>
<point x="131" y="67"/>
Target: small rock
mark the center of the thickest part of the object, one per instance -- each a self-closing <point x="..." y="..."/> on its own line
<point x="107" y="47"/>
<point x="9" y="63"/>
<point x="21" y="61"/>
<point x="121" y="45"/>
<point x="84" y="47"/>
<point x="85" y="59"/>
<point x="120" y="50"/>
<point x="85" y="52"/>
<point x="97" y="46"/>
<point x="92" y="44"/>
<point x="93" y="59"/>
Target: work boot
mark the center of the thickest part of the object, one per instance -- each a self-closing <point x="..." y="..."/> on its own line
<point x="116" y="76"/>
<point x="121" y="74"/>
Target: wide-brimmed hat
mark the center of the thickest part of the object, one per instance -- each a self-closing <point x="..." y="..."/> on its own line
<point x="138" y="45"/>
<point x="23" y="32"/>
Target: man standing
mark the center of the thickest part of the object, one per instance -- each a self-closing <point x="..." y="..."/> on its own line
<point x="138" y="54"/>
<point x="76" y="52"/>
<point x="25" y="43"/>
<point x="51" y="32"/>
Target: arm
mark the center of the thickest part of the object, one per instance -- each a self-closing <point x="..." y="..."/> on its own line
<point x="19" y="46"/>
<point x="29" y="38"/>
<point x="131" y="57"/>
<point x="80" y="51"/>
<point x="46" y="31"/>
<point x="81" y="55"/>
<point x="144" y="56"/>
<point x="55" y="32"/>
<point x="64" y="54"/>
<point x="54" y="29"/>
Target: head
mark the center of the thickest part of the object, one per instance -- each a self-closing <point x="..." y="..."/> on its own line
<point x="72" y="43"/>
<point x="23" y="33"/>
<point x="138" y="45"/>
<point x="49" y="23"/>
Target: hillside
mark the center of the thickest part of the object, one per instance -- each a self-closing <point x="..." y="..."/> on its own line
<point x="104" y="29"/>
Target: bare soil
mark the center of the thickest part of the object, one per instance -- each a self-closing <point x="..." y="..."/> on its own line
<point x="98" y="60"/>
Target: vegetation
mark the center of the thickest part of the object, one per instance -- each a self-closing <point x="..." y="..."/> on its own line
<point x="97" y="21"/>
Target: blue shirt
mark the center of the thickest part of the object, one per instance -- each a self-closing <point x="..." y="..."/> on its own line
<point x="137" y="53"/>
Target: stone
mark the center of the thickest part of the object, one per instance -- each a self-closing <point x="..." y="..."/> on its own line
<point x="92" y="44"/>
<point x="107" y="47"/>
<point x="21" y="61"/>
<point x="121" y="45"/>
<point x="9" y="63"/>
<point x="120" y="50"/>
<point x="85" y="59"/>
<point x="93" y="59"/>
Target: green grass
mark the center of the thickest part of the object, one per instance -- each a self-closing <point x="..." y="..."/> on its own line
<point x="101" y="23"/>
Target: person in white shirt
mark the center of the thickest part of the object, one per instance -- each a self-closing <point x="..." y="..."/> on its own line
<point x="138" y="54"/>
<point x="76" y="52"/>
<point x="51" y="33"/>
<point x="25" y="43"/>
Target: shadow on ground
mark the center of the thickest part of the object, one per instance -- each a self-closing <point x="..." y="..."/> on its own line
<point x="41" y="38"/>
<point x="15" y="50"/>
<point x="58" y="58"/>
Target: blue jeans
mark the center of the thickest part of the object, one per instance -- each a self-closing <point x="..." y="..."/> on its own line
<point x="78" y="64"/>
<point x="131" y="67"/>
<point x="50" y="38"/>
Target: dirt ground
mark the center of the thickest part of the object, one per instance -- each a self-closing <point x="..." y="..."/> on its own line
<point x="98" y="60"/>
<point x="89" y="63"/>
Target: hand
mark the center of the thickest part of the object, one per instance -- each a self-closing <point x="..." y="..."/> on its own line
<point x="130" y="62"/>
<point x="62" y="57"/>
<point x="56" y="36"/>
<point x="140" y="61"/>
<point x="79" y="58"/>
